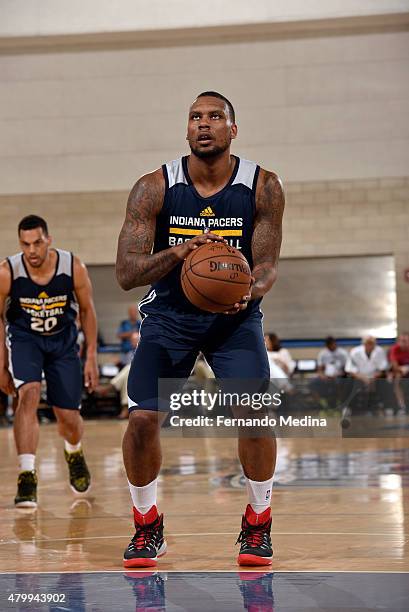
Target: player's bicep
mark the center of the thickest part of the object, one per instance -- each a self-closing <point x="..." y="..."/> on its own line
<point x="5" y="285"/>
<point x="82" y="285"/>
<point x="3" y="299"/>
<point x="138" y="231"/>
<point x="267" y="232"/>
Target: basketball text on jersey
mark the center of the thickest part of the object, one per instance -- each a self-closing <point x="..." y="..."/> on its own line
<point x="184" y="228"/>
<point x="42" y="310"/>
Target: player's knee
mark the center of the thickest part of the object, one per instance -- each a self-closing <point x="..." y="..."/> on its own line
<point x="143" y="424"/>
<point x="29" y="395"/>
<point x="70" y="420"/>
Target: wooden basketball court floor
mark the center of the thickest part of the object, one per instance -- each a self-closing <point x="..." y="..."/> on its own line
<point x="340" y="525"/>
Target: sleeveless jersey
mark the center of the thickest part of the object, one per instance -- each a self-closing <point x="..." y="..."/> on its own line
<point x="185" y="214"/>
<point x="42" y="309"/>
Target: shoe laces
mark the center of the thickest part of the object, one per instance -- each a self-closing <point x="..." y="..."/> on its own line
<point x="144" y="536"/>
<point x="253" y="536"/>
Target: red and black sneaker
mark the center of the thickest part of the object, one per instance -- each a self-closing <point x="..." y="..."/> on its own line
<point x="148" y="542"/>
<point x="255" y="539"/>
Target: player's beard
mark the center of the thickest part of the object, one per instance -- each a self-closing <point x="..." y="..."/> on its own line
<point x="40" y="260"/>
<point x="37" y="264"/>
<point x="211" y="152"/>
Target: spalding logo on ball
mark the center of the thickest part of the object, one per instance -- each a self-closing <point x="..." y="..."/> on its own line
<point x="215" y="276"/>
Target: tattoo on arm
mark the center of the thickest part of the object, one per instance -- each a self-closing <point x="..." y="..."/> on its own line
<point x="136" y="265"/>
<point x="267" y="234"/>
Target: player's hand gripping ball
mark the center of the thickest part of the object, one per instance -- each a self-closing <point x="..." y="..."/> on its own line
<point x="215" y="277"/>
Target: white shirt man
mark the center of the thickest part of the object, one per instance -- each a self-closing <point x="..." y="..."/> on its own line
<point x="367" y="360"/>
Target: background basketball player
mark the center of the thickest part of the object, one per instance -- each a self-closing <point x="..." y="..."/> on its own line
<point x="44" y="288"/>
<point x="210" y="188"/>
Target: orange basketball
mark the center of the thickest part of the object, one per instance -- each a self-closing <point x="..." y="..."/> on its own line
<point x="215" y="276"/>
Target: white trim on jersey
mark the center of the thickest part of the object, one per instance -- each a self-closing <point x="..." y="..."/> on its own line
<point x="146" y="300"/>
<point x="64" y="262"/>
<point x="17" y="266"/>
<point x="149" y="298"/>
<point x="131" y="403"/>
<point x="245" y="173"/>
<point x="175" y="172"/>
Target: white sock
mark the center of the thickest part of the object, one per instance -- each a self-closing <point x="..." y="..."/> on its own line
<point x="26" y="462"/>
<point x="259" y="494"/>
<point x="144" y="498"/>
<point x="72" y="448"/>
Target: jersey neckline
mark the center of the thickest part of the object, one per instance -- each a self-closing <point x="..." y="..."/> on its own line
<point x="53" y="276"/>
<point x="218" y="193"/>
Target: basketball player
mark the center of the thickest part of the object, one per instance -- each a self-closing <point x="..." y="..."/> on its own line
<point x="44" y="288"/>
<point x="212" y="188"/>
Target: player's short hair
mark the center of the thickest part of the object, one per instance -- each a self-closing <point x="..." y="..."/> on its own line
<point x="330" y="340"/>
<point x="32" y="222"/>
<point x="216" y="94"/>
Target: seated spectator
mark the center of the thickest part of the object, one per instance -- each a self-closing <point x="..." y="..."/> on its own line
<point x="399" y="360"/>
<point x="203" y="377"/>
<point x="281" y="364"/>
<point x="367" y="361"/>
<point x="124" y="333"/>
<point x="367" y="364"/>
<point x="279" y="355"/>
<point x="331" y="363"/>
<point x="331" y="360"/>
<point x="120" y="381"/>
<point x="201" y="370"/>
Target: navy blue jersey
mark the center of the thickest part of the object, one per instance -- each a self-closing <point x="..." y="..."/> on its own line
<point x="185" y="214"/>
<point x="42" y="309"/>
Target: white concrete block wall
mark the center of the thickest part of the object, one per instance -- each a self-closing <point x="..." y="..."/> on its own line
<point x="313" y="109"/>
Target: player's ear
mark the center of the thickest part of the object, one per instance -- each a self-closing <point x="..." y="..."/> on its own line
<point x="233" y="130"/>
<point x="49" y="239"/>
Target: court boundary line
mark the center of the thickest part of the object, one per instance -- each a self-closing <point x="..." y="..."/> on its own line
<point x="203" y="534"/>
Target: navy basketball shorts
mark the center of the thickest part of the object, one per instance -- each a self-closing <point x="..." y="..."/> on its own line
<point x="233" y="346"/>
<point x="57" y="356"/>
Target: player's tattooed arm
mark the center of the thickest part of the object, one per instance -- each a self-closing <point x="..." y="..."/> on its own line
<point x="6" y="382"/>
<point x="136" y="265"/>
<point x="267" y="232"/>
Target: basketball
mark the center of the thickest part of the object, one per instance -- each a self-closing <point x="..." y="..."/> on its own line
<point x="215" y="276"/>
